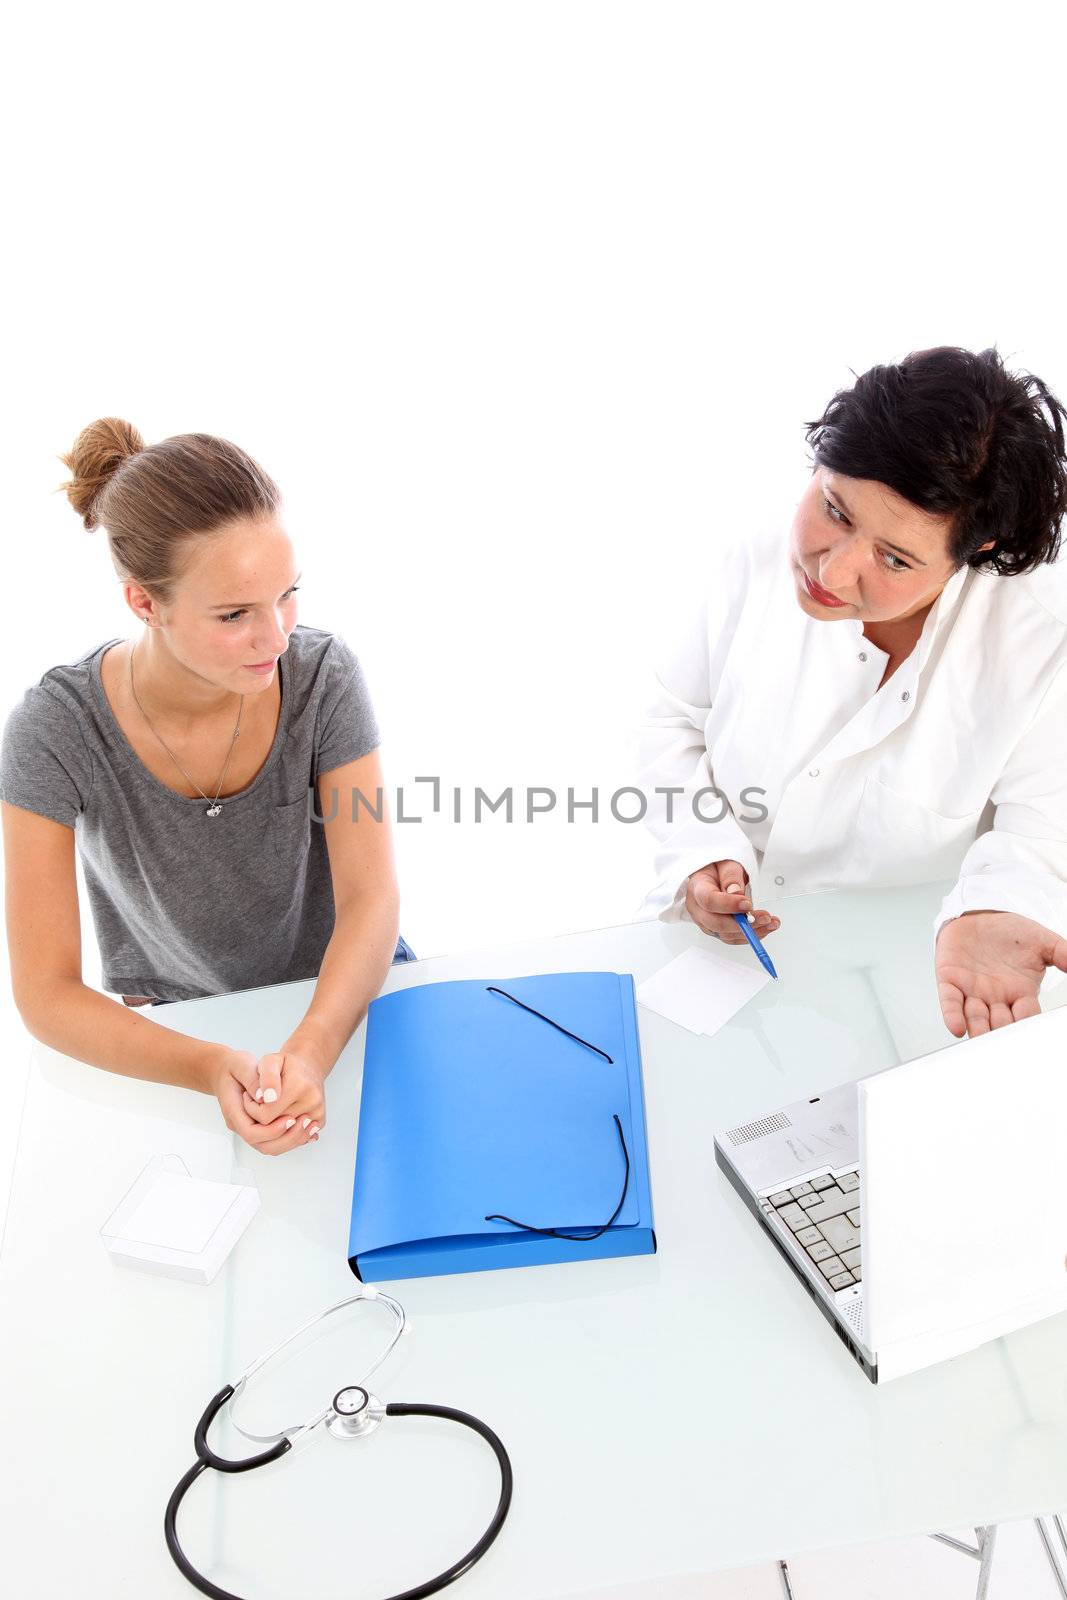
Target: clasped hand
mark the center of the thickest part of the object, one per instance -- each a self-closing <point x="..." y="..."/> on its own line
<point x="275" y="1102"/>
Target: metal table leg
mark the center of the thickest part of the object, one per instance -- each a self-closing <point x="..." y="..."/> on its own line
<point x="1059" y="1569"/>
<point x="982" y="1553"/>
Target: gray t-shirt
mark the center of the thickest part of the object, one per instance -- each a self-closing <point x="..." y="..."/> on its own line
<point x="185" y="904"/>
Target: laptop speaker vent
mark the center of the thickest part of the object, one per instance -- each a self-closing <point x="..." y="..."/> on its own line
<point x="853" y="1313"/>
<point x="756" y="1130"/>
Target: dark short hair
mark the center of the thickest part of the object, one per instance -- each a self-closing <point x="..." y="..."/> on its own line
<point x="956" y="433"/>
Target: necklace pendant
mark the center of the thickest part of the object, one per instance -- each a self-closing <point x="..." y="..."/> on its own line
<point x="213" y="810"/>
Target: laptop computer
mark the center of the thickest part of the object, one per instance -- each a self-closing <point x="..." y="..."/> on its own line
<point x="923" y="1208"/>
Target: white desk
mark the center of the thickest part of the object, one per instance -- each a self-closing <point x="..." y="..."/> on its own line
<point x="672" y="1414"/>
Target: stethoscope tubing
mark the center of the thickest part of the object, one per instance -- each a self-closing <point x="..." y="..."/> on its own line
<point x="206" y="1457"/>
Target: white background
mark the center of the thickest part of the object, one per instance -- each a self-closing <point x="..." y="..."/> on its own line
<point x="524" y="307"/>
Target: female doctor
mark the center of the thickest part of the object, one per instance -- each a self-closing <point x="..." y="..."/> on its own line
<point x="881" y="698"/>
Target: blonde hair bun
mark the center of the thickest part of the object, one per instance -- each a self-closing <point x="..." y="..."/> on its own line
<point x="96" y="455"/>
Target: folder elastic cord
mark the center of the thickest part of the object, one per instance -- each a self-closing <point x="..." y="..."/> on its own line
<point x="555" y="1233"/>
<point x="579" y="1238"/>
<point x="491" y="988"/>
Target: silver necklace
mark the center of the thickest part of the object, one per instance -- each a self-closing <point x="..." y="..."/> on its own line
<point x="214" y="807"/>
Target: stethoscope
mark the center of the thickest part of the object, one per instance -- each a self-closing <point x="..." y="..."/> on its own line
<point x="353" y="1413"/>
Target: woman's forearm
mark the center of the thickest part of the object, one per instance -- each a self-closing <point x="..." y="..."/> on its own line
<point x="89" y="1026"/>
<point x="353" y="969"/>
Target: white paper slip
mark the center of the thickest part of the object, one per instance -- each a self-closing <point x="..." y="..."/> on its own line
<point x="701" y="990"/>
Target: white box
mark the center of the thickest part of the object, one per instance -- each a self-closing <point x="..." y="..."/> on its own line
<point x="183" y="1227"/>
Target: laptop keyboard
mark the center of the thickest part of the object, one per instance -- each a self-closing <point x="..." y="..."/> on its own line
<point x="824" y="1218"/>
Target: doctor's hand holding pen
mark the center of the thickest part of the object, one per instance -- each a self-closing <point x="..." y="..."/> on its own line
<point x="989" y="966"/>
<point x="717" y="895"/>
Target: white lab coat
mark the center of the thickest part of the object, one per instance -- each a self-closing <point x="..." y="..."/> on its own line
<point x="957" y="766"/>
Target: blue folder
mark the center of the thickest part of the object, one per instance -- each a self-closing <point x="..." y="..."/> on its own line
<point x="476" y="1108"/>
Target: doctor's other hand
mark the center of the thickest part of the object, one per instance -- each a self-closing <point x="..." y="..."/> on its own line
<point x="715" y="893"/>
<point x="233" y="1074"/>
<point x="989" y="966"/>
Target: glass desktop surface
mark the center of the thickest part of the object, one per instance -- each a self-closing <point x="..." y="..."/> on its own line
<point x="670" y="1414"/>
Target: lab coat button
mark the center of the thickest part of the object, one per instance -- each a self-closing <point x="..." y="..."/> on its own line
<point x="906" y="695"/>
<point x="814" y="773"/>
<point x="779" y="880"/>
<point x="863" y="655"/>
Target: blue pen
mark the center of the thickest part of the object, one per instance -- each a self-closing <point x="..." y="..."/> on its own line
<point x="742" y="922"/>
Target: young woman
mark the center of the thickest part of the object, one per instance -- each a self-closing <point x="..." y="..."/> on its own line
<point x="182" y="762"/>
<point x="881" y="698"/>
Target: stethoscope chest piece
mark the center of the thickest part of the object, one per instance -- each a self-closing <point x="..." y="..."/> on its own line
<point x="354" y="1413"/>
